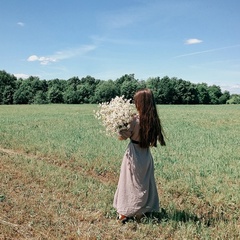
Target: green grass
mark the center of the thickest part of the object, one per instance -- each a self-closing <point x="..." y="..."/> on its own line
<point x="59" y="173"/>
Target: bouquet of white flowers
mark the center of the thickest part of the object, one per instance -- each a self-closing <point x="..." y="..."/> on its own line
<point x="115" y="115"/>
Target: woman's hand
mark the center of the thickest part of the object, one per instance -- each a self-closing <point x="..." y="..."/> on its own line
<point x="120" y="138"/>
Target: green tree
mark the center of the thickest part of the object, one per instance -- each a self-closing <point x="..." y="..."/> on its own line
<point x="7" y="87"/>
<point x="73" y="83"/>
<point x="105" y="91"/>
<point x="141" y="84"/>
<point x="55" y="95"/>
<point x="27" y="89"/>
<point x="70" y="95"/>
<point x="57" y="83"/>
<point x="89" y="80"/>
<point x="128" y="88"/>
<point x="186" y="92"/>
<point x="234" y="99"/>
<point x="7" y="95"/>
<point x="153" y="84"/>
<point x="202" y="93"/>
<point x="166" y="92"/>
<point x="40" y="97"/>
<point x="86" y="90"/>
<point x="119" y="81"/>
<point x="56" y="89"/>
<point x="85" y="93"/>
<point x="24" y="94"/>
<point x="224" y="98"/>
<point x="215" y="93"/>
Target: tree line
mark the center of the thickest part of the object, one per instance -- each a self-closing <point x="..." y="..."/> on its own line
<point x="90" y="90"/>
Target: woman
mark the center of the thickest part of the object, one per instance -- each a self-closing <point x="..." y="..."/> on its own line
<point x="136" y="193"/>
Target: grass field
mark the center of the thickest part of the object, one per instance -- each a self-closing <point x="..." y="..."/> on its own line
<point x="59" y="172"/>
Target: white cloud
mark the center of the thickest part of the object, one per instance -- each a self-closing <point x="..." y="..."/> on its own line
<point x="33" y="58"/>
<point x="21" y="75"/>
<point x="192" y="41"/>
<point x="60" y="55"/>
<point x="21" y="24"/>
<point x="42" y="60"/>
<point x="233" y="89"/>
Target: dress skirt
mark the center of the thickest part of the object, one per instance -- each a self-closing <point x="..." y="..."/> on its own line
<point x="136" y="192"/>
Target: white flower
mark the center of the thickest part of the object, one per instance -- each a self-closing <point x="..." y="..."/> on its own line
<point x="115" y="115"/>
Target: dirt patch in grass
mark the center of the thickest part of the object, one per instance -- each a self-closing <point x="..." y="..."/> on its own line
<point x="30" y="208"/>
<point x="104" y="176"/>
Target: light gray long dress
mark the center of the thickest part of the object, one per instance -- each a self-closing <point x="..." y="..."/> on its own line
<point x="136" y="192"/>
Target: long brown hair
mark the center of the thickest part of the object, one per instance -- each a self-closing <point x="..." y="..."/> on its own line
<point x="150" y="125"/>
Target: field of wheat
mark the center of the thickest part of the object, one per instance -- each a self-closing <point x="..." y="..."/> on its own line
<point x="59" y="172"/>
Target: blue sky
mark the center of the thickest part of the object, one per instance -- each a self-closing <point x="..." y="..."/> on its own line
<point x="196" y="40"/>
